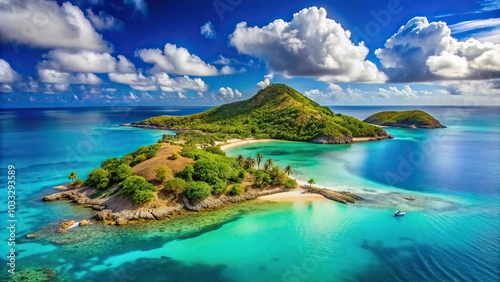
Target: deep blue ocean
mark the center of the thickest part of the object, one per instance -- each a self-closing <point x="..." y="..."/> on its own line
<point x="451" y="232"/>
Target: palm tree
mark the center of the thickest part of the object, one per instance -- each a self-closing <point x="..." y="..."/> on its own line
<point x="266" y="166"/>
<point x="250" y="162"/>
<point x="269" y="164"/>
<point x="258" y="158"/>
<point x="288" y="170"/>
<point x="240" y="159"/>
<point x="311" y="182"/>
<point x="73" y="176"/>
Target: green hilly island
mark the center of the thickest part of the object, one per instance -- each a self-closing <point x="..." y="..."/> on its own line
<point x="408" y="119"/>
<point x="278" y="112"/>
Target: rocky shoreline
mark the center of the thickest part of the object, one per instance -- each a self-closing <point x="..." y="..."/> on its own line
<point x="112" y="214"/>
<point x="344" y="197"/>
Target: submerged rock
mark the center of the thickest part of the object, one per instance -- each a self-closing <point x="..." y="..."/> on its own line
<point x="65" y="225"/>
<point x="343" y="197"/>
<point x="104" y="215"/>
<point x="35" y="235"/>
<point x="34" y="275"/>
<point x="121" y="221"/>
<point x="85" y="222"/>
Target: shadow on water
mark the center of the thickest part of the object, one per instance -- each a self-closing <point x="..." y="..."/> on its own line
<point x="162" y="269"/>
<point x="150" y="270"/>
<point x="84" y="247"/>
<point x="410" y="261"/>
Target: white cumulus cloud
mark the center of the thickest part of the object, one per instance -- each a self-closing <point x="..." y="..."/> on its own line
<point x="176" y="60"/>
<point x="5" y="88"/>
<point x="473" y="88"/>
<point x="53" y="76"/>
<point x="310" y="45"/>
<point x="335" y="92"/>
<point x="180" y="84"/>
<point x="426" y="51"/>
<point x="227" y="70"/>
<point x="159" y="81"/>
<point x="55" y="88"/>
<point x="136" y="80"/>
<point x="85" y="61"/>
<point x="228" y="92"/>
<point x="47" y="24"/>
<point x="208" y="31"/>
<point x="104" y="21"/>
<point x="131" y="96"/>
<point x="266" y="82"/>
<point x="221" y="60"/>
<point x="405" y="92"/>
<point x="7" y="74"/>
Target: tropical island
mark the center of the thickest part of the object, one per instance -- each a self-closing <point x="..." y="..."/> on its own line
<point x="164" y="180"/>
<point x="276" y="112"/>
<point x="189" y="171"/>
<point x="406" y="119"/>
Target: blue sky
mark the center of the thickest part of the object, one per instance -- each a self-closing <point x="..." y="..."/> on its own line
<point x="144" y="52"/>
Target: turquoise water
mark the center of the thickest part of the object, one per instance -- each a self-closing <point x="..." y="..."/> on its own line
<point x="450" y="233"/>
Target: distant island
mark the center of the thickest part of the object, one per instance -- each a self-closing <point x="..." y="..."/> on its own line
<point x="276" y="112"/>
<point x="407" y="119"/>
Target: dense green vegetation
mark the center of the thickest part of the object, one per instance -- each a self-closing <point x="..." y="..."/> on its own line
<point x="193" y="138"/>
<point x="212" y="173"/>
<point x="76" y="184"/>
<point x="137" y="189"/>
<point x="142" y="154"/>
<point x="404" y="119"/>
<point x="161" y="173"/>
<point x="236" y="189"/>
<point x="98" y="178"/>
<point x="176" y="186"/>
<point x="197" y="190"/>
<point x="215" y="173"/>
<point x="277" y="111"/>
<point x="118" y="171"/>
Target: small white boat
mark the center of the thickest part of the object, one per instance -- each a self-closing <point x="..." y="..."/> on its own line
<point x="399" y="213"/>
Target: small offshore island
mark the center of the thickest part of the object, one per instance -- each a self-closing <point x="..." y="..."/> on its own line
<point x="190" y="172"/>
<point x="406" y="119"/>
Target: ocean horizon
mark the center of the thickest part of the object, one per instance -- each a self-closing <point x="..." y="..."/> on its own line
<point x="450" y="232"/>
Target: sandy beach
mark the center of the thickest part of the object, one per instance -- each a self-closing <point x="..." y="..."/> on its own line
<point x="364" y="139"/>
<point x="238" y="142"/>
<point x="293" y="196"/>
<point x="300" y="194"/>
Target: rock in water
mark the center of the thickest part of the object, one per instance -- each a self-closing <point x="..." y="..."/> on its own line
<point x="84" y="222"/>
<point x="65" y="225"/>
